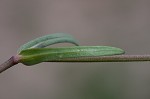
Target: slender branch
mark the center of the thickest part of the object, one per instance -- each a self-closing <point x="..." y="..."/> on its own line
<point x="9" y="63"/>
<point x="114" y="58"/>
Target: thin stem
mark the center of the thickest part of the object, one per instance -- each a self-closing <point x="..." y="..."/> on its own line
<point x="9" y="63"/>
<point x="114" y="58"/>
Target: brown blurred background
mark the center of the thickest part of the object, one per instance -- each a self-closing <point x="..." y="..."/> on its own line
<point x="119" y="23"/>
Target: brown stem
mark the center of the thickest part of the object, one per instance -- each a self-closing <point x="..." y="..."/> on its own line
<point x="114" y="58"/>
<point x="9" y="63"/>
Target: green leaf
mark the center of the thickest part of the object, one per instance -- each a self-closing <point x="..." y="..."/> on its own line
<point x="54" y="41"/>
<point x="47" y="40"/>
<point x="38" y="55"/>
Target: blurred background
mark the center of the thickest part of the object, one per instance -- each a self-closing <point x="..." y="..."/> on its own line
<point x="120" y="23"/>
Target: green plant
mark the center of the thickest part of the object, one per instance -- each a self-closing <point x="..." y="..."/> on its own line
<point x="34" y="52"/>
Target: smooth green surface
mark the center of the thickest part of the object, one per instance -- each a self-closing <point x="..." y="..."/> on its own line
<point x="34" y="52"/>
<point x="38" y="55"/>
<point x="47" y="40"/>
<point x="54" y="41"/>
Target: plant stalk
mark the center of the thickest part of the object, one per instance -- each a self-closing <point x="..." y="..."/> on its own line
<point x="9" y="63"/>
<point x="114" y="58"/>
